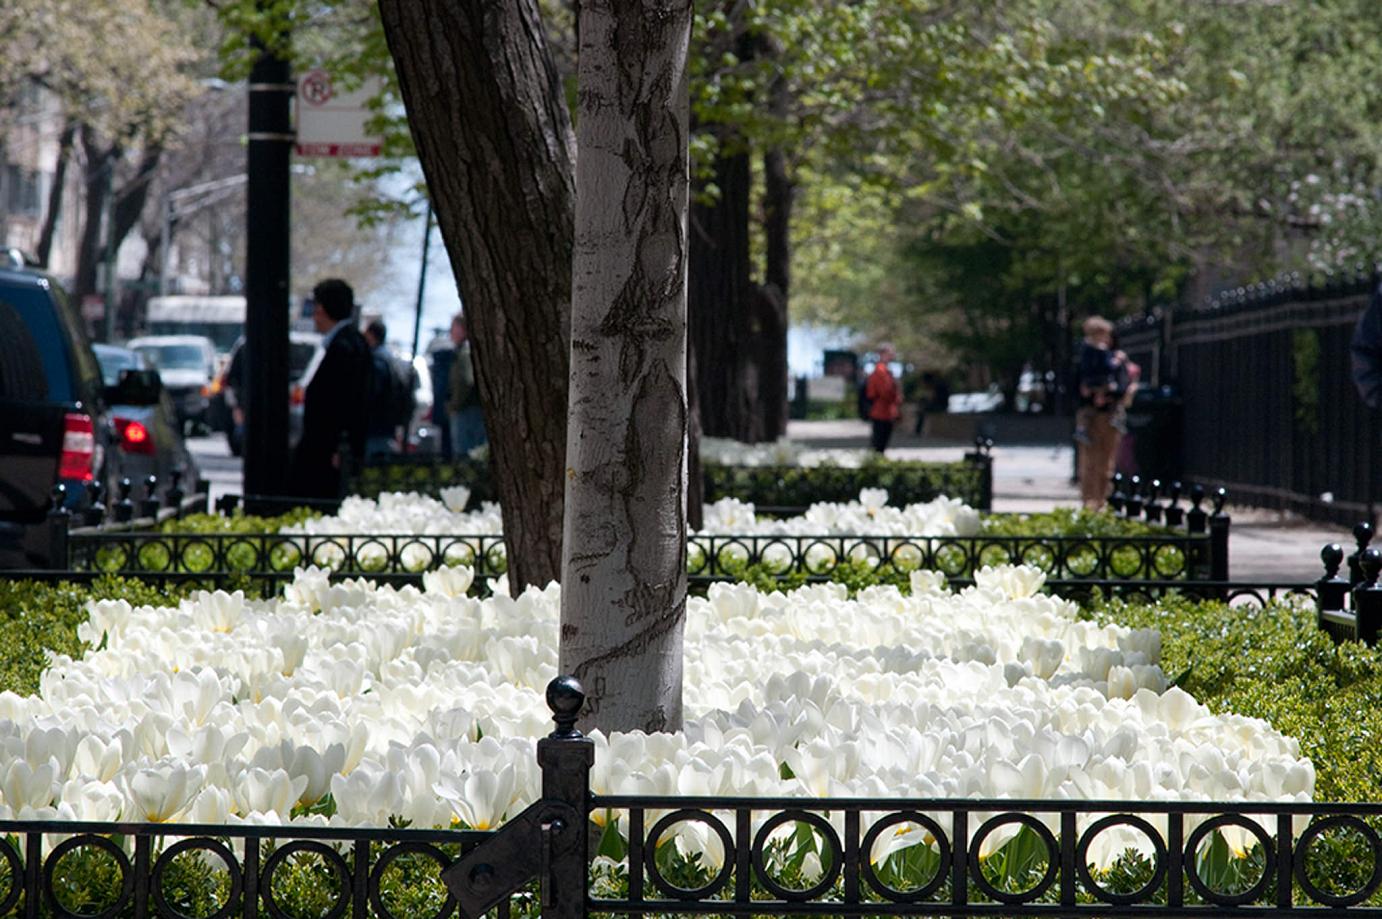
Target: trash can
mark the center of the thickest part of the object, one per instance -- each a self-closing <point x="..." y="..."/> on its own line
<point x="1151" y="447"/>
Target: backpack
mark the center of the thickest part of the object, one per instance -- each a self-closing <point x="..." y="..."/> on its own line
<point x="865" y="403"/>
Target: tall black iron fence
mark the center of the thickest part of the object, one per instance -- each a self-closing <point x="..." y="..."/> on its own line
<point x="1290" y="859"/>
<point x="1270" y="410"/>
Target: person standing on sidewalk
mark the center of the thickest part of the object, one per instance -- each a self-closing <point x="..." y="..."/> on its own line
<point x="884" y="397"/>
<point x="466" y="418"/>
<point x="1096" y="435"/>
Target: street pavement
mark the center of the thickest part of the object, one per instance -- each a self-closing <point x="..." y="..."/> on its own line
<point x="1263" y="545"/>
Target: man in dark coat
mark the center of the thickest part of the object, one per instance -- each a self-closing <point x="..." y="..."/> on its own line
<point x="335" y="399"/>
<point x="1366" y="353"/>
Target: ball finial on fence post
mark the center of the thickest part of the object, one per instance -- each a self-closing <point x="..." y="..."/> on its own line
<point x="1362" y="537"/>
<point x="566" y="698"/>
<point x="1367" y="597"/>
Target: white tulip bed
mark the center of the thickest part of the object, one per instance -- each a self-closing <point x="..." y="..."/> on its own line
<point x="783" y="452"/>
<point x="353" y="704"/>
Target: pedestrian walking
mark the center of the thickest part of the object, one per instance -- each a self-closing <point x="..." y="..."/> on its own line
<point x="391" y="400"/>
<point x="335" y="396"/>
<point x="884" y="397"/>
<point x="1096" y="432"/>
<point x="466" y="418"/>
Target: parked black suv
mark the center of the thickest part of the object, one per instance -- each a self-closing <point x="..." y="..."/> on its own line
<point x="54" y="425"/>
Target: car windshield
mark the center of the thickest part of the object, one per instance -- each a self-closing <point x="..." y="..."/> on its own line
<point x="175" y="357"/>
<point x="113" y="361"/>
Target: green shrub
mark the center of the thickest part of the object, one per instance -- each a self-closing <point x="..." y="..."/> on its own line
<point x="1276" y="664"/>
<point x="906" y="481"/>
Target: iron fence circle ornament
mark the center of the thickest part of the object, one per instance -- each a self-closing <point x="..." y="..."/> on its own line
<point x="1314" y="832"/>
<point x="328" y="855"/>
<point x="81" y="842"/>
<point x="1047" y="838"/>
<point x="918" y="894"/>
<point x="251" y="550"/>
<point x="392" y="854"/>
<point x="202" y="844"/>
<point x="826" y="562"/>
<point x="1084" y="559"/>
<point x="694" y="815"/>
<point x="191" y="552"/>
<point x="1177" y="557"/>
<point x="1192" y="872"/>
<point x="832" y="842"/>
<point x="16" y="866"/>
<point x="778" y="563"/>
<point x="1039" y="554"/>
<point x="1158" y="860"/>
<point x="1126" y="549"/>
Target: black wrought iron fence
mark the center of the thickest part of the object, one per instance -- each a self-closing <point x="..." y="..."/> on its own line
<point x="151" y="869"/>
<point x="1350" y="598"/>
<point x="967" y="857"/>
<point x="1270" y="410"/>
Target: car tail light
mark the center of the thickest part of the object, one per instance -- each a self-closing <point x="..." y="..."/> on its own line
<point x="297" y="395"/>
<point x="134" y="436"/>
<point x="78" y="448"/>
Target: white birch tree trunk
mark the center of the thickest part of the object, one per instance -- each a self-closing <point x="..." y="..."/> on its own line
<point x="624" y="536"/>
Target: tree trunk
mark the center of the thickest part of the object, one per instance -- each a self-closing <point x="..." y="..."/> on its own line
<point x="99" y="161"/>
<point x="771" y="338"/>
<point x="624" y="567"/>
<point x="720" y="305"/>
<point x="489" y="120"/>
<point x="54" y="209"/>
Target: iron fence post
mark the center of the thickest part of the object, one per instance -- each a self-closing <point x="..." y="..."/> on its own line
<point x="982" y="459"/>
<point x="1331" y="591"/>
<point x="565" y="758"/>
<point x="1196" y="519"/>
<point x="1367" y="597"/>
<point x="1362" y="536"/>
<point x="124" y="508"/>
<point x="203" y="494"/>
<point x="149" y="506"/>
<point x="1218" y="539"/>
<point x="226" y="504"/>
<point x="175" y="492"/>
<point x="59" y="519"/>
<point x="1175" y="514"/>
<point x="1132" y="503"/>
<point x="95" y="512"/>
<point x="1153" y="509"/>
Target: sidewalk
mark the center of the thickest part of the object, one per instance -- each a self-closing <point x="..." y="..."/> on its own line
<point x="1263" y="545"/>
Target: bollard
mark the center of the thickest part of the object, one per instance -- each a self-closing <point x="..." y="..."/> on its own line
<point x="1367" y="597"/>
<point x="1362" y="536"/>
<point x="149" y="506"/>
<point x="1175" y="514"/>
<point x="95" y="513"/>
<point x="124" y="508"/>
<point x="59" y="520"/>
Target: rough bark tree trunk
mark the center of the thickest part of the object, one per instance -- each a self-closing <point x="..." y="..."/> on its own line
<point x="493" y="134"/>
<point x="720" y="306"/>
<point x="55" y="192"/>
<point x="771" y="352"/>
<point x="99" y="159"/>
<point x="624" y="566"/>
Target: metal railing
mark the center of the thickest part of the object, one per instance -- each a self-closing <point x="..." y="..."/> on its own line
<point x="551" y="845"/>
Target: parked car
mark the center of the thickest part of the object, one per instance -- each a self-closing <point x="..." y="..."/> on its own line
<point x="304" y="353"/>
<point x="148" y="438"/>
<point x="187" y="365"/>
<point x="55" y="427"/>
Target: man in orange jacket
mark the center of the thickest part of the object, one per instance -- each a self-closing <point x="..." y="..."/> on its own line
<point x="885" y="398"/>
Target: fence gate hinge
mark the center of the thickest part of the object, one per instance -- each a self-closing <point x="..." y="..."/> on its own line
<point x="510" y="858"/>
